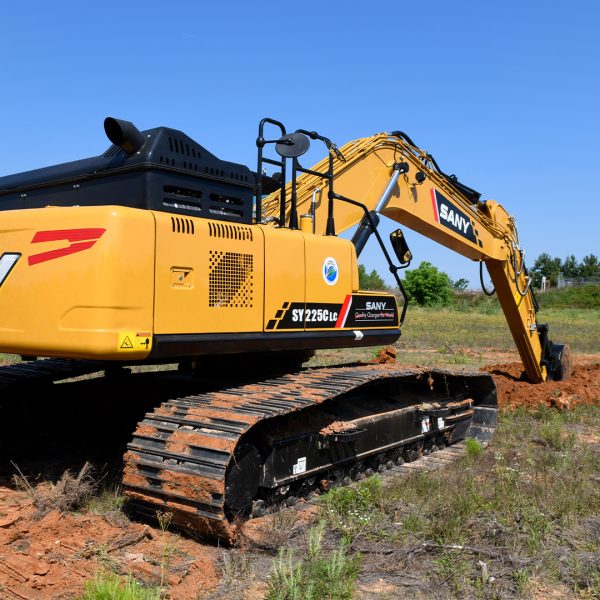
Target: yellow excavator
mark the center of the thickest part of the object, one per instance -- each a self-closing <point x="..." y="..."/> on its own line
<point x="158" y="252"/>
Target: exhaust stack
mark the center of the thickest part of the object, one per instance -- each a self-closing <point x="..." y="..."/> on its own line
<point x="124" y="134"/>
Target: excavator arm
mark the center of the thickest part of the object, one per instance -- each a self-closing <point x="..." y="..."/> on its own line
<point x="389" y="175"/>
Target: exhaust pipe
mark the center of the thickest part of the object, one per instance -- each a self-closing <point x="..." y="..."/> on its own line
<point x="124" y="134"/>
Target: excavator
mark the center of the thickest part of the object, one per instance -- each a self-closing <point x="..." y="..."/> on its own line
<point x="159" y="253"/>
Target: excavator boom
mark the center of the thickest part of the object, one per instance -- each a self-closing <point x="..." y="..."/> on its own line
<point x="390" y="175"/>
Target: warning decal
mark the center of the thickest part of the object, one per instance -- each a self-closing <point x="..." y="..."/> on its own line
<point x="132" y="341"/>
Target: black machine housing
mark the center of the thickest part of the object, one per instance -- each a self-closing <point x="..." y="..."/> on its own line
<point x="158" y="169"/>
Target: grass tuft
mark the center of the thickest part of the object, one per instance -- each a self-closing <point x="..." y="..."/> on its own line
<point x="107" y="586"/>
<point x="354" y="510"/>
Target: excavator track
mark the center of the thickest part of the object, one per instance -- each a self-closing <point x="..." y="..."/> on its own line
<point x="216" y="458"/>
<point x="46" y="371"/>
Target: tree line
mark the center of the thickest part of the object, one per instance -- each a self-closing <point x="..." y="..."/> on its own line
<point x="551" y="268"/>
<point x="426" y="285"/>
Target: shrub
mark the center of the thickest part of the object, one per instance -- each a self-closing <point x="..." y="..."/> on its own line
<point x="474" y="447"/>
<point x="585" y="296"/>
<point x="428" y="286"/>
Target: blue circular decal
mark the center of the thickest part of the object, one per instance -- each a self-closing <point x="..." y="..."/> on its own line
<point x="330" y="271"/>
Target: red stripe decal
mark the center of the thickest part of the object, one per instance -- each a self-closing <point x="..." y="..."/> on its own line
<point x="343" y="313"/>
<point x="435" y="208"/>
<point x="81" y="239"/>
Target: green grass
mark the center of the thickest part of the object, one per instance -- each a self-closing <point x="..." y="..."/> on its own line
<point x="448" y="337"/>
<point x="107" y="501"/>
<point x="523" y="496"/>
<point x="435" y="328"/>
<point x="112" y="587"/>
<point x="354" y="510"/>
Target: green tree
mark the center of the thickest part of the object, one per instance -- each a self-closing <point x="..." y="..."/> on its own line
<point x="428" y="286"/>
<point x="570" y="267"/>
<point x="590" y="266"/>
<point x="372" y="281"/>
<point x="460" y="285"/>
<point x="545" y="266"/>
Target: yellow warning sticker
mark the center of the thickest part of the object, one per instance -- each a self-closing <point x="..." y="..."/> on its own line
<point x="135" y="341"/>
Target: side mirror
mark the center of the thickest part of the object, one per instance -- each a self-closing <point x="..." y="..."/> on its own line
<point x="292" y="145"/>
<point x="400" y="247"/>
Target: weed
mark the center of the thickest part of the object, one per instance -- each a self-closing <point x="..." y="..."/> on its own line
<point x="67" y="494"/>
<point x="283" y="520"/>
<point x="474" y="447"/>
<point x="164" y="519"/>
<point x="108" y="586"/>
<point x="354" y="510"/>
<point x="164" y="522"/>
<point x="234" y="565"/>
<point x="521" y="580"/>
<point x="321" y="575"/>
<point x="452" y="570"/>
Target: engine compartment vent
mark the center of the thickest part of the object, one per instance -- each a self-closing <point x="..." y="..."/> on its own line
<point x="231" y="232"/>
<point x="230" y="281"/>
<point x="181" y="225"/>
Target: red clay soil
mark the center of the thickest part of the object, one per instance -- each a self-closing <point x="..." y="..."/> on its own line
<point x="582" y="388"/>
<point x="52" y="557"/>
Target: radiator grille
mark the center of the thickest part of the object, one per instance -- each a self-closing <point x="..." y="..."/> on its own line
<point x="230" y="279"/>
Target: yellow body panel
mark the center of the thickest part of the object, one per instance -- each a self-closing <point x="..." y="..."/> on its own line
<point x="75" y="304"/>
<point x="209" y="276"/>
<point x="103" y="282"/>
<point x="284" y="263"/>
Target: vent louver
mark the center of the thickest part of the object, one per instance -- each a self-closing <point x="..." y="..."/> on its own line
<point x="181" y="225"/>
<point x="231" y="232"/>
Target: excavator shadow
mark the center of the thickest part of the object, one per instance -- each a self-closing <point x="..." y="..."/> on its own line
<point x="47" y="429"/>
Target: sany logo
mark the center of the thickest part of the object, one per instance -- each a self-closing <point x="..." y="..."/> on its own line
<point x="81" y="239"/>
<point x="375" y="306"/>
<point x="458" y="221"/>
<point x="451" y="216"/>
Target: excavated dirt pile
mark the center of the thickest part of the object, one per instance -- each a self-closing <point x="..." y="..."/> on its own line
<point x="514" y="390"/>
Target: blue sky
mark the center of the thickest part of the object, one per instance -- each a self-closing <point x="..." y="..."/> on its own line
<point x="506" y="95"/>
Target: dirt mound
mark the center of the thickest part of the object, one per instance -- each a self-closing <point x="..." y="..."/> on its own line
<point x="514" y="390"/>
<point x="386" y="356"/>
